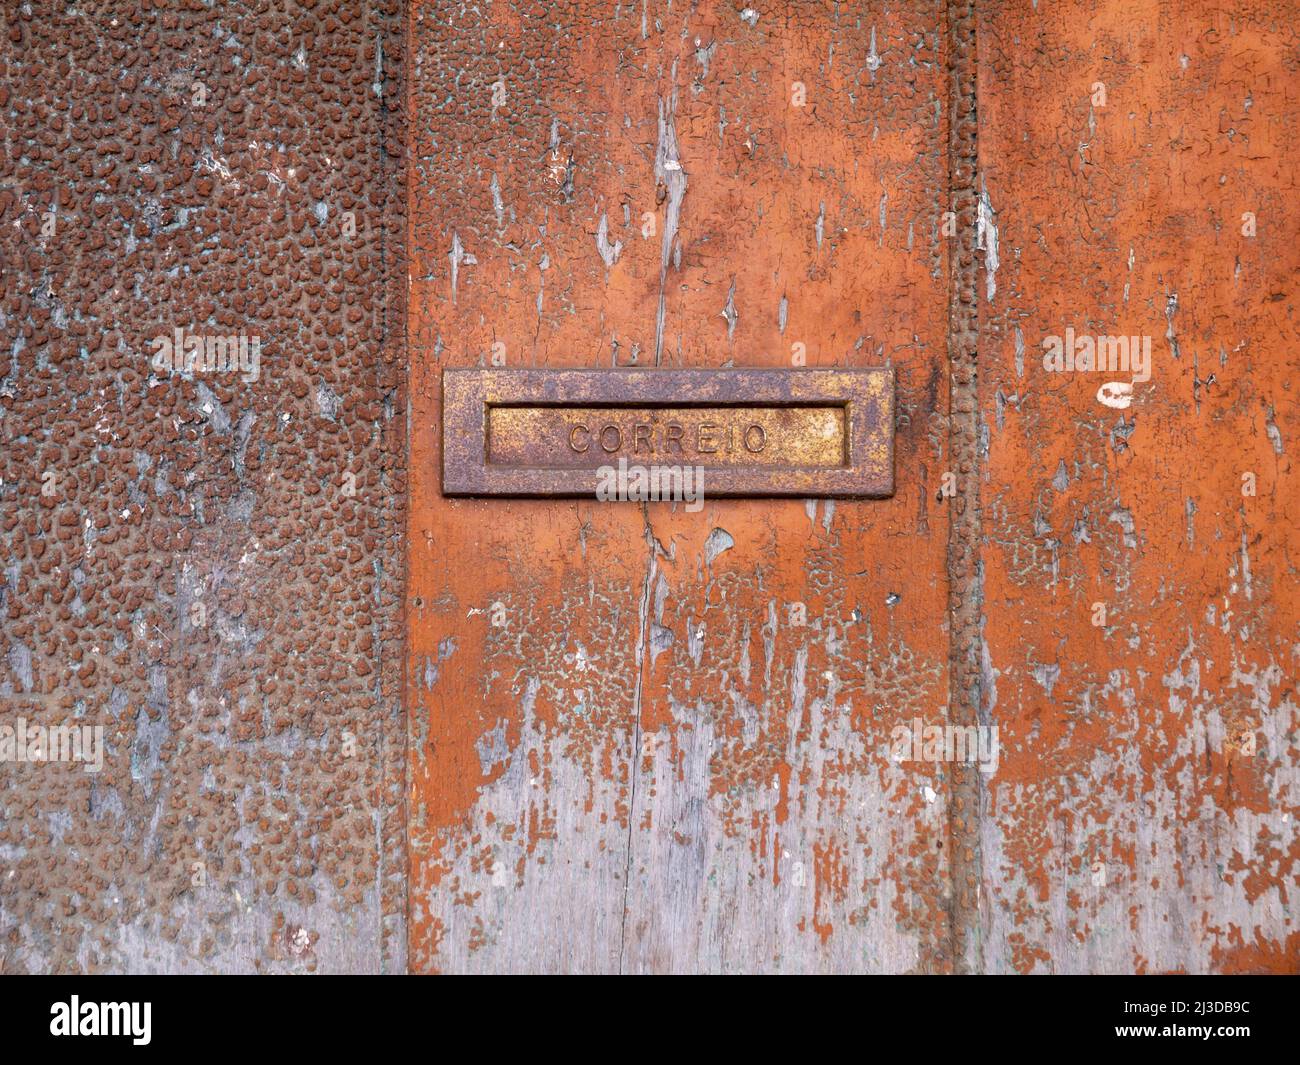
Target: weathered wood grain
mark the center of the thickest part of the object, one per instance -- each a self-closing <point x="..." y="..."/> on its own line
<point x="652" y="761"/>
<point x="1144" y="815"/>
<point x="649" y="740"/>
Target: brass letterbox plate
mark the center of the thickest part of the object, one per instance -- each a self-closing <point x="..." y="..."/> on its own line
<point x="751" y="432"/>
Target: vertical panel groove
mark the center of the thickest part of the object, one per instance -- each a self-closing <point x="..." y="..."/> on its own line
<point x="965" y="591"/>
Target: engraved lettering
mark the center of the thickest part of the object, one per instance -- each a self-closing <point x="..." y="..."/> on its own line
<point x="720" y="436"/>
<point x="617" y="438"/>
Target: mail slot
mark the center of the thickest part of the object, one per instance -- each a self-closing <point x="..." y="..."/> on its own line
<point x="748" y="432"/>
<point x="583" y="436"/>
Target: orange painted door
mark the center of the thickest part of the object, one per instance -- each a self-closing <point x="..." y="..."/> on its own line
<point x="644" y="739"/>
<point x="1138" y="550"/>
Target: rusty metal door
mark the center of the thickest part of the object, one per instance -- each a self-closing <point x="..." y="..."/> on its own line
<point x="645" y="738"/>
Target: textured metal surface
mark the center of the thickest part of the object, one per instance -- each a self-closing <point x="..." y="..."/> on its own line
<point x="748" y="432"/>
<point x="204" y="564"/>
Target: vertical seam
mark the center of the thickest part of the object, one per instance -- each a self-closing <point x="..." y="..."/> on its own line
<point x="965" y="596"/>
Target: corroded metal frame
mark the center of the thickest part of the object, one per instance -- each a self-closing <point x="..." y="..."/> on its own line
<point x="866" y="394"/>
